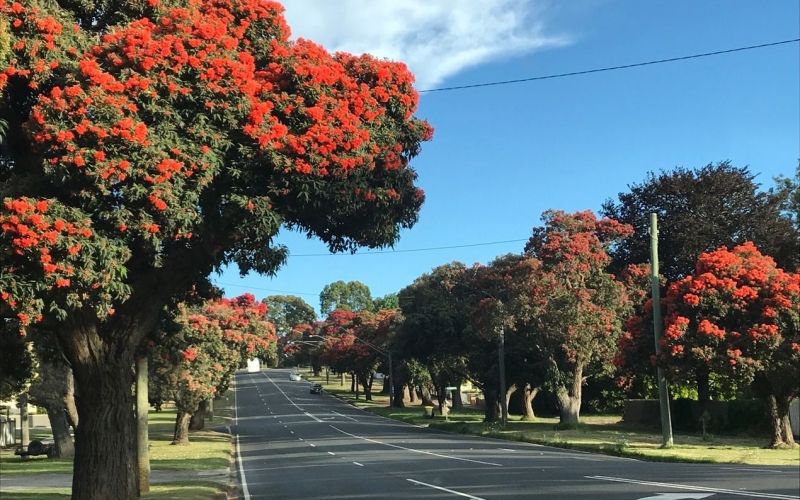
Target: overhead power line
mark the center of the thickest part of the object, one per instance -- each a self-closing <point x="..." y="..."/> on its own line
<point x="266" y="289"/>
<point x="428" y="249"/>
<point x="611" y="68"/>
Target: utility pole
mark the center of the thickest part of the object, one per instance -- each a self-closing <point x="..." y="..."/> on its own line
<point x="502" y="364"/>
<point x="663" y="394"/>
<point x="391" y="381"/>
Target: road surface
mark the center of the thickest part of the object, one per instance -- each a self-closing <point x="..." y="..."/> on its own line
<point x="297" y="445"/>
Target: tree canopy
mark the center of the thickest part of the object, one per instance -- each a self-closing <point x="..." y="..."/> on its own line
<point x="286" y="311"/>
<point x="350" y="296"/>
<point x="698" y="211"/>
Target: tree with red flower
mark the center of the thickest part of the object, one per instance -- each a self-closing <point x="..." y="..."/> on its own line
<point x="738" y="315"/>
<point x="150" y="141"/>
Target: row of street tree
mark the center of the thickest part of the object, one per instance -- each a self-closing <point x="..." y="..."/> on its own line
<point x="575" y="306"/>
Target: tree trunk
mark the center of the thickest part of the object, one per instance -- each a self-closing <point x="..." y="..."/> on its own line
<point x="69" y="401"/>
<point x="490" y="413"/>
<point x="210" y="410"/>
<point x="106" y="459"/>
<point x="441" y="398"/>
<point x="387" y="381"/>
<point x="458" y="403"/>
<point x="198" y="419"/>
<point x="181" y="434"/>
<point x="527" y="396"/>
<point x="352" y="383"/>
<point x="399" y="392"/>
<point x="60" y="426"/>
<point x="366" y="383"/>
<point x="316" y="369"/>
<point x="22" y="403"/>
<point x="569" y="400"/>
<point x="510" y="392"/>
<point x="777" y="412"/>
<point x="412" y="394"/>
<point x="343" y="376"/>
<point x="425" y="393"/>
<point x="703" y="388"/>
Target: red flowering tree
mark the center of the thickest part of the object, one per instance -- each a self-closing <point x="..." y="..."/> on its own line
<point x="351" y="347"/>
<point x="577" y="330"/>
<point x="150" y="141"/>
<point x="738" y="314"/>
<point x="197" y="354"/>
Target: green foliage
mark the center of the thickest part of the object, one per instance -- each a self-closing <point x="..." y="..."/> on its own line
<point x="789" y="189"/>
<point x="16" y="368"/>
<point x="351" y="296"/>
<point x="700" y="210"/>
<point x="288" y="311"/>
<point x="388" y="301"/>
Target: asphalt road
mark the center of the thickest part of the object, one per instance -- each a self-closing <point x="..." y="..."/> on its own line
<point x="293" y="444"/>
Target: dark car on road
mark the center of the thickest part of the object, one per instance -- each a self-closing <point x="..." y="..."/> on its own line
<point x="316" y="389"/>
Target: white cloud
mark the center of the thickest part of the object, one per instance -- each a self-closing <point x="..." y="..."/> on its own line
<point x="436" y="38"/>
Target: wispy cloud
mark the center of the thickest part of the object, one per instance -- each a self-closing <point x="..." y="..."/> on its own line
<point x="436" y="38"/>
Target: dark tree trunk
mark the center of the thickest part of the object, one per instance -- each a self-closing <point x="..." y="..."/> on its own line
<point x="458" y="403"/>
<point x="399" y="390"/>
<point x="106" y="458"/>
<point x="425" y="394"/>
<point x="703" y="388"/>
<point x="69" y="401"/>
<point x="510" y="392"/>
<point x="441" y="399"/>
<point x="528" y="394"/>
<point x="353" y="386"/>
<point x="569" y="399"/>
<point x="490" y="412"/>
<point x="387" y="382"/>
<point x="412" y="394"/>
<point x="777" y="412"/>
<point x="60" y="427"/>
<point x="198" y="420"/>
<point x="181" y="434"/>
<point x="316" y="369"/>
<point x="366" y="383"/>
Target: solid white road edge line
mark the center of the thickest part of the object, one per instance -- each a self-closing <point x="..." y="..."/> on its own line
<point x="415" y="451"/>
<point x="755" y="494"/>
<point x="245" y="491"/>
<point x="454" y="492"/>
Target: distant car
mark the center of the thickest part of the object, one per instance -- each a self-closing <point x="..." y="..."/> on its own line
<point x="316" y="389"/>
<point x="294" y="377"/>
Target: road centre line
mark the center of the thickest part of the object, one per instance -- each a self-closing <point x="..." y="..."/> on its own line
<point x="448" y="490"/>
<point x="360" y="465"/>
<point x="331" y="453"/>
<point x="754" y="494"/>
<point x="506" y="449"/>
<point x="415" y="451"/>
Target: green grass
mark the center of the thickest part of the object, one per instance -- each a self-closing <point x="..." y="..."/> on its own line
<point x="208" y="450"/>
<point x="596" y="433"/>
<point x="184" y="490"/>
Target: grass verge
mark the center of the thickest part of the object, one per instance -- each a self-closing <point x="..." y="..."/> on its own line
<point x="209" y="450"/>
<point x="605" y="434"/>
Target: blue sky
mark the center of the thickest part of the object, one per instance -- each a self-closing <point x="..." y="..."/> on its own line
<point x="502" y="155"/>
